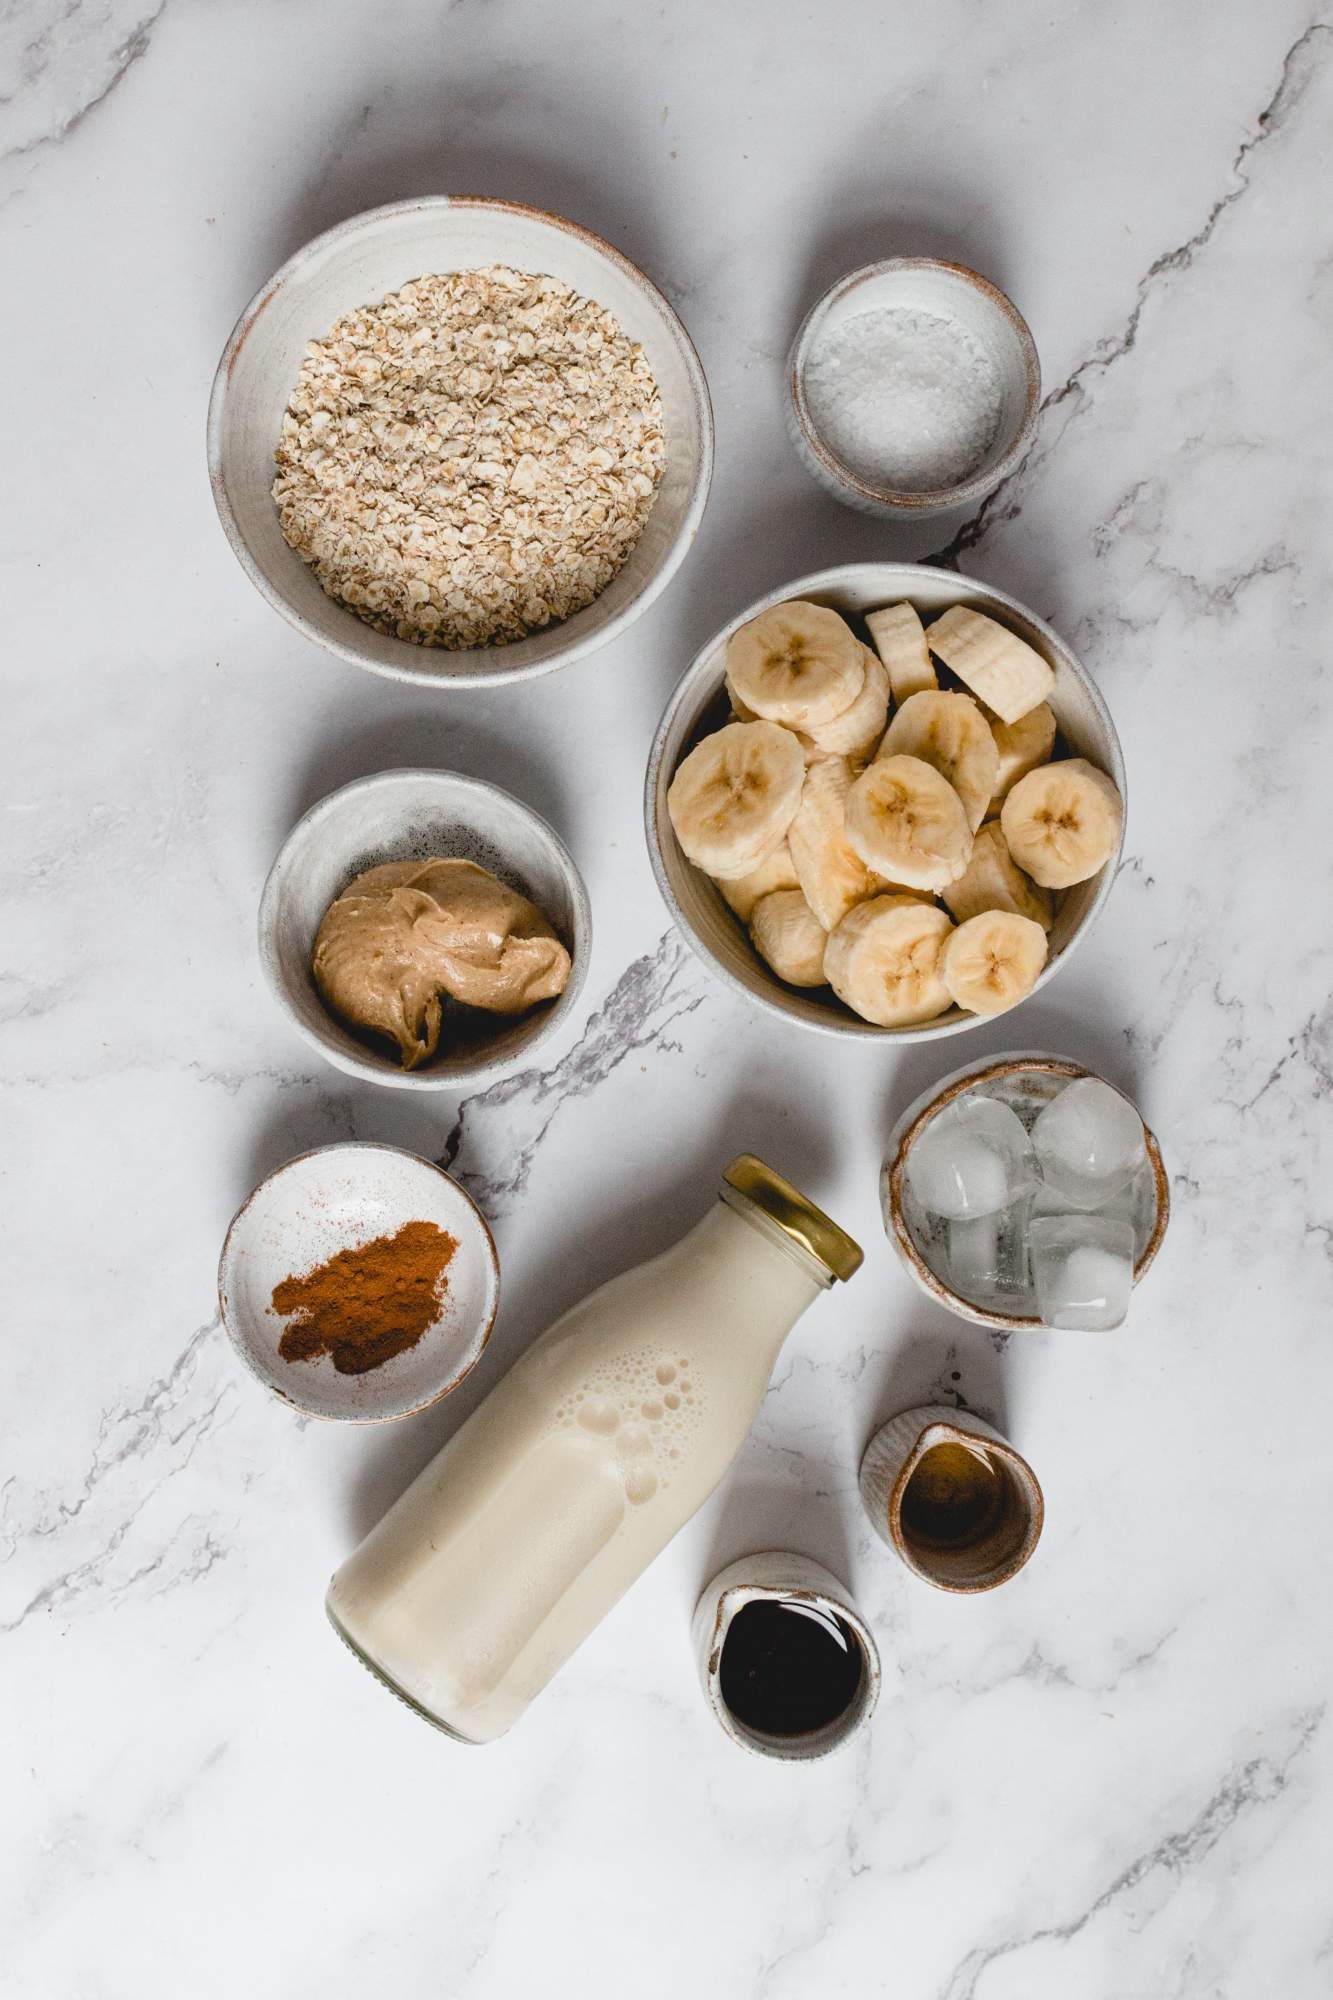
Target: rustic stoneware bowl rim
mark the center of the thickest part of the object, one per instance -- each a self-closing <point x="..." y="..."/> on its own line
<point x="732" y="1597"/>
<point x="483" y="1072"/>
<point x="348" y="649"/>
<point x="990" y="1070"/>
<point x="701" y="674"/>
<point x="933" y="500"/>
<point x="239" y="1221"/>
<point x="939" y="1430"/>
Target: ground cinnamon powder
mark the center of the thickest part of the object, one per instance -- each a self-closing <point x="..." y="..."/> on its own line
<point x="365" y="1305"/>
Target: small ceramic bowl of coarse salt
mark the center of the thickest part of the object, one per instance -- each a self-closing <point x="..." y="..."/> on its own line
<point x="914" y="387"/>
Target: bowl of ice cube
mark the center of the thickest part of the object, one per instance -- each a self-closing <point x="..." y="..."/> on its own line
<point x="1025" y="1191"/>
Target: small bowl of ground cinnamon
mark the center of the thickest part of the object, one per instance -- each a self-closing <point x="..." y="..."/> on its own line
<point x="359" y="1282"/>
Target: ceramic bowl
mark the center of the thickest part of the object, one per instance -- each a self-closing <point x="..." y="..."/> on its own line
<point x="951" y="291"/>
<point x="396" y="816"/>
<point x="699" y="705"/>
<point x="1026" y="1081"/>
<point x="776" y="1575"/>
<point x="338" y="1198"/>
<point x="363" y="260"/>
<point x="895" y="1452"/>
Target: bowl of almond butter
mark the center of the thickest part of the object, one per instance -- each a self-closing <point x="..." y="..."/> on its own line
<point x="424" y="930"/>
<point x="885" y="800"/>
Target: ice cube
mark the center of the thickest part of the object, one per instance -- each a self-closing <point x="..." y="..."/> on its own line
<point x="972" y="1158"/>
<point x="974" y="1253"/>
<point x="1134" y="1203"/>
<point x="987" y="1256"/>
<point x="1088" y="1142"/>
<point x="1083" y="1269"/>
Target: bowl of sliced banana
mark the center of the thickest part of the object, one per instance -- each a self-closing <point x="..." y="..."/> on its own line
<point x="885" y="800"/>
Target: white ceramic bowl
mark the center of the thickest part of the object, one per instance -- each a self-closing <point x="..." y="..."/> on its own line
<point x="398" y="816"/>
<point x="1026" y="1080"/>
<point x="363" y="260"/>
<point x="775" y="1575"/>
<point x="699" y="705"/>
<point x="338" y="1198"/>
<point x="951" y="291"/>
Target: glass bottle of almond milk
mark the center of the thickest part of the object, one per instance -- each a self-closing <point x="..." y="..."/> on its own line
<point x="583" y="1462"/>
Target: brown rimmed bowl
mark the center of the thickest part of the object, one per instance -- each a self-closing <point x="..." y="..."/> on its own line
<point x="1006" y="1543"/>
<point x="1032" y="1078"/>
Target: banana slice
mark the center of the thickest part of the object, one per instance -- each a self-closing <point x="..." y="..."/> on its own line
<point x="831" y="874"/>
<point x="774" y="872"/>
<point x="900" y="642"/>
<point x="908" y="823"/>
<point x="884" y="960"/>
<point x="858" y="729"/>
<point x="1021" y="746"/>
<point x="992" y="880"/>
<point x="798" y="663"/>
<point x="1000" y="668"/>
<point x="1063" y="822"/>
<point x="992" y="961"/>
<point x="789" y="937"/>
<point x="949" y="732"/>
<point x="733" y="798"/>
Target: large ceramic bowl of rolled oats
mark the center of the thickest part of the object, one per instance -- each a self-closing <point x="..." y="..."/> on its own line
<point x="460" y="440"/>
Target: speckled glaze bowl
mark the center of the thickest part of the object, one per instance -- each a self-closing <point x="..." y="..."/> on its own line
<point x="410" y="815"/>
<point x="920" y="284"/>
<point x="699" y="705"/>
<point x="337" y="1198"/>
<point x="893" y="1455"/>
<point x="360" y="262"/>
<point x="774" y="1575"/>
<point x="1031" y="1078"/>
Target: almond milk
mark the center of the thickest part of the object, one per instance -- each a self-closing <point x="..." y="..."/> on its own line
<point x="584" y="1461"/>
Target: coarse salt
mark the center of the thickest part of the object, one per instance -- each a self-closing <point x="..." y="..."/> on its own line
<point x="907" y="400"/>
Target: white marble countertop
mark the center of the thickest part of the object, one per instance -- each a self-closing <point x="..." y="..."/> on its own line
<point x="1112" y="1779"/>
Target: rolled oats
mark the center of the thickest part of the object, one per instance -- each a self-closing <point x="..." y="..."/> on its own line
<point x="471" y="459"/>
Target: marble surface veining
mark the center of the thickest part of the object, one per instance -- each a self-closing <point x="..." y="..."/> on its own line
<point x="1112" y="1779"/>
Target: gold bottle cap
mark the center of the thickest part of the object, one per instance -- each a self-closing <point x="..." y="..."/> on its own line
<point x="806" y="1225"/>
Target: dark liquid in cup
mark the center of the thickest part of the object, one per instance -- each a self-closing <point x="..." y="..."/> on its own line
<point x="953" y="1499"/>
<point x="789" y="1668"/>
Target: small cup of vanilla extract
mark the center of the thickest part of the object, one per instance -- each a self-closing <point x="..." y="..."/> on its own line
<point x="951" y="1497"/>
<point x="788" y="1665"/>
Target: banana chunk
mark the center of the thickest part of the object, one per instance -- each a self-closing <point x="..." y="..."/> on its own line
<point x="885" y="961"/>
<point x="908" y="823"/>
<point x="949" y="732"/>
<point x="776" y="872"/>
<point x="993" y="880"/>
<point x="858" y="729"/>
<point x="1000" y="668"/>
<point x="900" y="641"/>
<point x="797" y="663"/>
<point x="831" y="874"/>
<point x="789" y="937"/>
<point x="992" y="961"/>
<point x="1063" y="822"/>
<point x="1021" y="746"/>
<point x="733" y="798"/>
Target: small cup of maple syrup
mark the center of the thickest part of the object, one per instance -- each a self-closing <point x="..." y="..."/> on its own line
<point x="951" y="1497"/>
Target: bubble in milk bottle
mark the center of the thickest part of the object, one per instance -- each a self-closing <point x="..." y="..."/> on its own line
<point x="579" y="1467"/>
